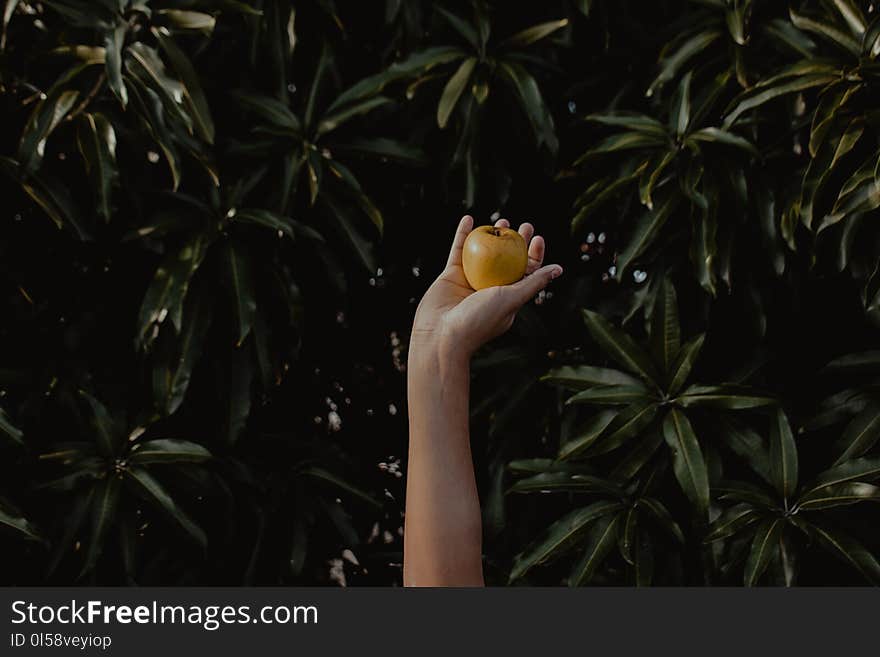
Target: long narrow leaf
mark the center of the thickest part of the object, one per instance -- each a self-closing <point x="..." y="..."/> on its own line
<point x="600" y="541"/>
<point x="168" y="450"/>
<point x="619" y="346"/>
<point x="860" y="435"/>
<point x="150" y="489"/>
<point x="687" y="459"/>
<point x="453" y="90"/>
<point x="762" y="549"/>
<point x="560" y="536"/>
<point x="783" y="455"/>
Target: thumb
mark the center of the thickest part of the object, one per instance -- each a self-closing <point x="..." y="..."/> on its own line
<point x="528" y="288"/>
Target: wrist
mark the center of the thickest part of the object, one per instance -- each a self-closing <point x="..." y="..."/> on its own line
<point x="437" y="349"/>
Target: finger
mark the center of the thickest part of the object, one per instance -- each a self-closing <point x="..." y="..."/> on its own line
<point x="536" y="254"/>
<point x="526" y="230"/>
<point x="461" y="233"/>
<point x="528" y="288"/>
<point x="502" y="223"/>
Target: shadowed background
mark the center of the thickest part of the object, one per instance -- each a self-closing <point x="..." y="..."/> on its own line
<point x="218" y="218"/>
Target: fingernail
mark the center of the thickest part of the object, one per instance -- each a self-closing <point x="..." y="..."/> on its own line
<point x="556" y="272"/>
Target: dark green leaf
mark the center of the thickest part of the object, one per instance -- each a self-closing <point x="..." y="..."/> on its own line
<point x="560" y="536"/>
<point x="385" y="148"/>
<point x="97" y="143"/>
<point x="836" y="408"/>
<point x="745" y="443"/>
<point x="732" y="521"/>
<point x="353" y="189"/>
<point x="104" y="505"/>
<point x="783" y="456"/>
<point x="193" y="96"/>
<point x="182" y="19"/>
<point x="687" y="459"/>
<point x="626" y="425"/>
<point x="760" y="94"/>
<point x="687" y="50"/>
<point x="644" y="233"/>
<point x="736" y="17"/>
<point x="680" y="116"/>
<point x="264" y="218"/>
<point x="114" y="40"/>
<point x="826" y="31"/>
<point x="242" y="292"/>
<point x="839" y="495"/>
<point x="725" y="137"/>
<point x="270" y="110"/>
<point x="684" y="363"/>
<point x="651" y="176"/>
<point x="851" y="14"/>
<point x="763" y="547"/>
<point x="623" y="142"/>
<point x="415" y="65"/>
<point x="344" y="225"/>
<point x="332" y="120"/>
<point x="464" y="29"/>
<point x="144" y="63"/>
<point x="72" y="523"/>
<point x="168" y="450"/>
<point x="152" y="111"/>
<point x="328" y="477"/>
<point x="639" y="456"/>
<point x="865" y="469"/>
<point x="586" y="435"/>
<point x="45" y="117"/>
<point x="727" y="396"/>
<point x="527" y="93"/>
<point x="535" y="33"/>
<point x="534" y="466"/>
<point x="197" y="316"/>
<point x="106" y="435"/>
<point x="849" y="551"/>
<point x="627" y="533"/>
<point x="13" y="522"/>
<point x="605" y="192"/>
<point x="151" y="490"/>
<point x="600" y="541"/>
<point x="662" y="516"/>
<point x="619" y="346"/>
<point x="866" y="361"/>
<point x="453" y="90"/>
<point x="632" y="121"/>
<point x="665" y="329"/>
<point x="821" y="167"/>
<point x="611" y="395"/>
<point x="9" y="430"/>
<point x="581" y="377"/>
<point x="644" y="559"/>
<point x="860" y="435"/>
<point x="743" y="491"/>
<point x="167" y="293"/>
<point x="704" y="242"/>
<point x="571" y="482"/>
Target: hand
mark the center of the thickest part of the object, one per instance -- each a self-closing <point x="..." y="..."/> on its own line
<point x="459" y="320"/>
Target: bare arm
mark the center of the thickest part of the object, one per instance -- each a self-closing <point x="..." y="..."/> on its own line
<point x="443" y="535"/>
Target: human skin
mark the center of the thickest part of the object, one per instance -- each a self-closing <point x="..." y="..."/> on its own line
<point x="443" y="528"/>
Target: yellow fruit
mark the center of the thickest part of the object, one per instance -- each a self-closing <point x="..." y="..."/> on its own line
<point x="494" y="256"/>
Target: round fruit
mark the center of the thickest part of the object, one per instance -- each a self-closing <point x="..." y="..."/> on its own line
<point x="494" y="256"/>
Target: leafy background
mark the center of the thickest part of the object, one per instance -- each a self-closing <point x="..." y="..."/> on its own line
<point x="218" y="218"/>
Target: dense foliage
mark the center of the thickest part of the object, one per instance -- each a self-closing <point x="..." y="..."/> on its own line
<point x="218" y="217"/>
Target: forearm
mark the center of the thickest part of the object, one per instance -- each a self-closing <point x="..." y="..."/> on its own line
<point x="443" y="536"/>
